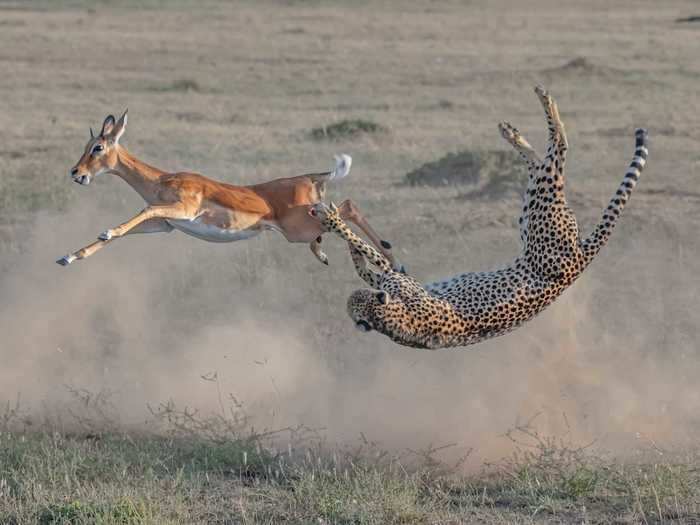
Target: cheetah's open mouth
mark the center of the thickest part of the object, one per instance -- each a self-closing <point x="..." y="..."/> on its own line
<point x="363" y="326"/>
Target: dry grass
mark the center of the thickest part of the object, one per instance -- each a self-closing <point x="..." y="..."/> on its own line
<point x="184" y="469"/>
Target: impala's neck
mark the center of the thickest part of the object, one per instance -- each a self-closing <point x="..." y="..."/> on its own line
<point x="139" y="175"/>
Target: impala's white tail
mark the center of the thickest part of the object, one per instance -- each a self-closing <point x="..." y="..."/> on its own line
<point x="342" y="166"/>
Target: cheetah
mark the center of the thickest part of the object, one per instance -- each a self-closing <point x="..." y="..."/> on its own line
<point x="471" y="307"/>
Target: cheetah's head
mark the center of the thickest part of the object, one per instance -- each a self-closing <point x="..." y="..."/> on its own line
<point x="328" y="216"/>
<point x="366" y="307"/>
<point x="399" y="320"/>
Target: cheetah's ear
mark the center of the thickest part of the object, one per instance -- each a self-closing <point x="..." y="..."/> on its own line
<point x="383" y="297"/>
<point x="334" y="208"/>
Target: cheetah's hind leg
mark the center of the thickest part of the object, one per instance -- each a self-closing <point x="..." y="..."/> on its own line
<point x="532" y="159"/>
<point x="557" y="144"/>
<point x="552" y="230"/>
<point x="549" y="182"/>
<point x="522" y="146"/>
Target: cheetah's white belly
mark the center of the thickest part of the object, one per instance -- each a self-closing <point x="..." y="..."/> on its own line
<point x="212" y="233"/>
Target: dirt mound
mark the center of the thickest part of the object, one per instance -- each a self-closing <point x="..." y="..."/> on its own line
<point x="493" y="173"/>
<point x="580" y="65"/>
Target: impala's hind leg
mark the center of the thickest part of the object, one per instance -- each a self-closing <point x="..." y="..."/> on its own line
<point x="150" y="226"/>
<point x="349" y="211"/>
<point x="528" y="154"/>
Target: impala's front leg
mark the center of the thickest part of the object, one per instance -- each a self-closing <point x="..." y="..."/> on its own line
<point x="174" y="211"/>
<point x="315" y="246"/>
<point x="349" y="211"/>
<point x="150" y="226"/>
<point x="332" y="221"/>
<point x="84" y="252"/>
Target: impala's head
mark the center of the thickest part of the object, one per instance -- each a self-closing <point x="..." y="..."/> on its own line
<point x="100" y="153"/>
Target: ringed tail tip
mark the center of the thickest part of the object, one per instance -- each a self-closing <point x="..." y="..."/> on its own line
<point x="642" y="136"/>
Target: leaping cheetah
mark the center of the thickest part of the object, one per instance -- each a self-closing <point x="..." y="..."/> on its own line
<point x="474" y="306"/>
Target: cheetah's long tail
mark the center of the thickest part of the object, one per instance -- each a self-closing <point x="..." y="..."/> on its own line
<point x="596" y="240"/>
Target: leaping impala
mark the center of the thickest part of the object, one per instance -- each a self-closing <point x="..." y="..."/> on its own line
<point x="208" y="209"/>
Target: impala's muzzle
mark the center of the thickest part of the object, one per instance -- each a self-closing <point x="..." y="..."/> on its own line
<point x="82" y="179"/>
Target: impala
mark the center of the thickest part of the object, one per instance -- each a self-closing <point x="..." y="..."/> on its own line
<point x="207" y="209"/>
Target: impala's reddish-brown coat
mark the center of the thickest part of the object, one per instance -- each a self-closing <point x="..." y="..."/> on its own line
<point x="208" y="209"/>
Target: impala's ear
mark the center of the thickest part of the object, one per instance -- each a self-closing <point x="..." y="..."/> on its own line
<point x="107" y="126"/>
<point x="119" y="128"/>
<point x="92" y="134"/>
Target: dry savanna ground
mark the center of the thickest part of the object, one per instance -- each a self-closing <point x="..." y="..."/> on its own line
<point x="169" y="380"/>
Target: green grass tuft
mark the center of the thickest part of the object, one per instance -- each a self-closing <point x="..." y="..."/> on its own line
<point x="492" y="174"/>
<point x="347" y="129"/>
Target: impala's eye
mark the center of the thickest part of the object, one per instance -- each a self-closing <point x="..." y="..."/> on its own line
<point x="97" y="148"/>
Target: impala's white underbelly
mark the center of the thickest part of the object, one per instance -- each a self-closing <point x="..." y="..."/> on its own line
<point x="209" y="232"/>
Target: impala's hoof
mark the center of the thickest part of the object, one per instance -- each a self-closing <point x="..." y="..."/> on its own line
<point x="66" y="260"/>
<point x="106" y="236"/>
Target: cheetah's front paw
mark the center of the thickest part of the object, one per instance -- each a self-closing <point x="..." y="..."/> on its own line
<point x="508" y="131"/>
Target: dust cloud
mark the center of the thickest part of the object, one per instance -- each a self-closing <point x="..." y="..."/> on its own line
<point x="157" y="318"/>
